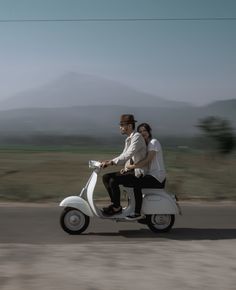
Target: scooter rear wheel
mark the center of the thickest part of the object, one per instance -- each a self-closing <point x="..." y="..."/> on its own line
<point x="160" y="223"/>
<point x="73" y="221"/>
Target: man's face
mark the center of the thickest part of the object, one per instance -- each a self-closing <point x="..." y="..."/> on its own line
<point x="124" y="128"/>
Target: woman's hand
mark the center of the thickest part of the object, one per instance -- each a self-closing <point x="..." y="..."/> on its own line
<point x="123" y="170"/>
<point x="130" y="166"/>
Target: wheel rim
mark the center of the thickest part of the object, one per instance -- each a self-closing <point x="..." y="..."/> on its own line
<point x="161" y="221"/>
<point x="74" y="220"/>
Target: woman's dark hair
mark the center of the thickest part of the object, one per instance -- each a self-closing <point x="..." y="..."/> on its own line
<point x="147" y="127"/>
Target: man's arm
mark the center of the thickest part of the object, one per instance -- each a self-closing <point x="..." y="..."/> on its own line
<point x="137" y="142"/>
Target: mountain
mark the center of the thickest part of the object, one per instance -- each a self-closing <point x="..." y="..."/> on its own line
<point x="75" y="89"/>
<point x="104" y="120"/>
<point x="226" y="109"/>
<point x="79" y="104"/>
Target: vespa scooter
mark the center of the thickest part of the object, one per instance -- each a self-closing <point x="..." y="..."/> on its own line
<point x="158" y="207"/>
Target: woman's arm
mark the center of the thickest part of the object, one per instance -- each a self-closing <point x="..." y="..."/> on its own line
<point x="144" y="162"/>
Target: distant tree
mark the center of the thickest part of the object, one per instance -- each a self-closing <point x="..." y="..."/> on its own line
<point x="219" y="130"/>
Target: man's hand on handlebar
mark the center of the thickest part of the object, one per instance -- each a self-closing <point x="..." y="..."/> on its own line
<point x="106" y="163"/>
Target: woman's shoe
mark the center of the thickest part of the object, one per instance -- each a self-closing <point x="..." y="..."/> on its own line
<point x="134" y="217"/>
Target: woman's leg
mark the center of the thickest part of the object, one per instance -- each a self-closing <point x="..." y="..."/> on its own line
<point x="146" y="181"/>
<point x="138" y="198"/>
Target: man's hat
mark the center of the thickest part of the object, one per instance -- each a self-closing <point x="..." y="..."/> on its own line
<point x="127" y="119"/>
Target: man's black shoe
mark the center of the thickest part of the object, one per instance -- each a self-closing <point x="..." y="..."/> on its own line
<point x="107" y="208"/>
<point x="113" y="210"/>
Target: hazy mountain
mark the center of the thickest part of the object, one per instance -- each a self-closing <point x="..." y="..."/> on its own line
<point x="225" y="109"/>
<point x="103" y="120"/>
<point x="75" y="89"/>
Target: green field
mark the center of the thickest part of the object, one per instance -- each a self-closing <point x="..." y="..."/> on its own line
<point x="30" y="173"/>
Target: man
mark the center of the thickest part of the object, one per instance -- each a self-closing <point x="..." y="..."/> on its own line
<point x="134" y="151"/>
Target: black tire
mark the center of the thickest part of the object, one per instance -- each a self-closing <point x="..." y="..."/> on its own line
<point x="73" y="221"/>
<point x="160" y="223"/>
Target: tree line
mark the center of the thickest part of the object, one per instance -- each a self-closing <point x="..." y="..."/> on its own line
<point x="218" y="135"/>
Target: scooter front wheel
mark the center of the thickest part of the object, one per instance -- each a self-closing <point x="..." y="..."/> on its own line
<point x="73" y="221"/>
<point x="160" y="223"/>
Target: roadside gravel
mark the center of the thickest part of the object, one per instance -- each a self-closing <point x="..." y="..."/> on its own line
<point x="146" y="265"/>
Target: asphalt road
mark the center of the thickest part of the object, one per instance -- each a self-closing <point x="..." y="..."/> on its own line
<point x="40" y="224"/>
<point x="198" y="253"/>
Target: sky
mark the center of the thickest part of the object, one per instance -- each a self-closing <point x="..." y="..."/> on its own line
<point x="183" y="60"/>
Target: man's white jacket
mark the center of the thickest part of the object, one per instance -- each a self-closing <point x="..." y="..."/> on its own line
<point x="135" y="149"/>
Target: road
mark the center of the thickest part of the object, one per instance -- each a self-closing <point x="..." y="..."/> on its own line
<point x="199" y="252"/>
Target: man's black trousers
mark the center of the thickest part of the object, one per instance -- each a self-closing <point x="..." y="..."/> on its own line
<point x="128" y="179"/>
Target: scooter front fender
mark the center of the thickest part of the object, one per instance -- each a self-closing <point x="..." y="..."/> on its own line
<point x="78" y="203"/>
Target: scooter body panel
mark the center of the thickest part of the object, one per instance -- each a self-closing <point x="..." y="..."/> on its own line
<point x="78" y="203"/>
<point x="90" y="190"/>
<point x="157" y="201"/>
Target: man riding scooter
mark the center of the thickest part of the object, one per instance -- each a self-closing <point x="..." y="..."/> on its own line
<point x="134" y="151"/>
<point x="158" y="207"/>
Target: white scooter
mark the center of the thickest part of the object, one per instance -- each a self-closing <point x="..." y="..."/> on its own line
<point x="158" y="207"/>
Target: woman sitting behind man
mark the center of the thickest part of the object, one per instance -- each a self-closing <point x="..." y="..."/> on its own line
<point x="155" y="176"/>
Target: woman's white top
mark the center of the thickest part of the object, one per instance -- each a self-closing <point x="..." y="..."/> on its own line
<point x="156" y="167"/>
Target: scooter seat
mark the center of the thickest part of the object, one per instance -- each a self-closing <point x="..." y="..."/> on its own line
<point x="148" y="191"/>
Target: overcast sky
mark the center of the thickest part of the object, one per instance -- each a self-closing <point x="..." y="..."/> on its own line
<point x="193" y="61"/>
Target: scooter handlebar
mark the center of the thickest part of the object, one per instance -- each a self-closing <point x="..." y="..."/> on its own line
<point x="94" y="164"/>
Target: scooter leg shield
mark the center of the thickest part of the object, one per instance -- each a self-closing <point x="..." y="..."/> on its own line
<point x="78" y="203"/>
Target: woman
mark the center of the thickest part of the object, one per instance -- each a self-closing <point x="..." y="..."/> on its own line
<point x="155" y="176"/>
